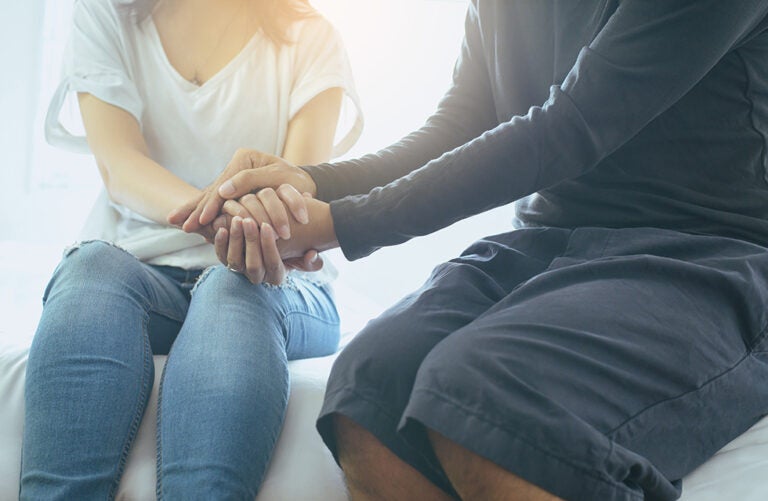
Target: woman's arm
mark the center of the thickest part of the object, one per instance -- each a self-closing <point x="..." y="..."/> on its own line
<point x="309" y="140"/>
<point x="311" y="131"/>
<point x="131" y="178"/>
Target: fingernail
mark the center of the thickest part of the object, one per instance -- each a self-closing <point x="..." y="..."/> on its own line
<point x="314" y="257"/>
<point x="237" y="223"/>
<point x="285" y="232"/>
<point x="249" y="226"/>
<point x="303" y="216"/>
<point x="268" y="231"/>
<point x="227" y="189"/>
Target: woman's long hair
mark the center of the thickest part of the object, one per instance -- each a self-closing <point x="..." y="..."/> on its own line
<point x="273" y="16"/>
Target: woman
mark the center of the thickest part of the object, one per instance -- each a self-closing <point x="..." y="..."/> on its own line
<point x="168" y="91"/>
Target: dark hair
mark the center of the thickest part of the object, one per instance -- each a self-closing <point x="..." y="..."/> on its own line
<point x="274" y="16"/>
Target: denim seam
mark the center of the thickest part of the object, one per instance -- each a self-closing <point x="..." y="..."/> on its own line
<point x="518" y="436"/>
<point x="158" y="447"/>
<point x="142" y="404"/>
<point x="313" y="316"/>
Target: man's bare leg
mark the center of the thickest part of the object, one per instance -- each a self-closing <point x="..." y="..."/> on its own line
<point x="476" y="478"/>
<point x="373" y="472"/>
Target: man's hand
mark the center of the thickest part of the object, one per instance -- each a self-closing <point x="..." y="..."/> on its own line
<point x="272" y="171"/>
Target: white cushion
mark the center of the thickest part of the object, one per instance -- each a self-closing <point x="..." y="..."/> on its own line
<point x="302" y="468"/>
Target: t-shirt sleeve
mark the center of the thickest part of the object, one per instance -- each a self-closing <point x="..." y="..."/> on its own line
<point x="96" y="62"/>
<point x="321" y="63"/>
<point x="647" y="56"/>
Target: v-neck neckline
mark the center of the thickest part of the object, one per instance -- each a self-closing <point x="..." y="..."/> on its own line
<point x="188" y="86"/>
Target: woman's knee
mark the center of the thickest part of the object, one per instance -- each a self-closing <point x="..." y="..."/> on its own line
<point x="219" y="287"/>
<point x="95" y="261"/>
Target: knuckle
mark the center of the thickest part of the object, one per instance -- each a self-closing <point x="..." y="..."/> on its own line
<point x="255" y="274"/>
<point x="249" y="198"/>
<point x="266" y="193"/>
<point x="286" y="189"/>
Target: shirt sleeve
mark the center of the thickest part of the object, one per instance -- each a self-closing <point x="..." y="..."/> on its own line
<point x="648" y="55"/>
<point x="465" y="112"/>
<point x="96" y="62"/>
<point x="321" y="63"/>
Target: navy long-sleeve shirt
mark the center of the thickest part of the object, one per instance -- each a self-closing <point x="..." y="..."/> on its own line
<point x="612" y="113"/>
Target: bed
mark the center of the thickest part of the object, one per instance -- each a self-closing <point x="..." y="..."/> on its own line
<point x="301" y="469"/>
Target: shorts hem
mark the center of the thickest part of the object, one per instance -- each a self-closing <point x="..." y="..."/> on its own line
<point x="554" y="474"/>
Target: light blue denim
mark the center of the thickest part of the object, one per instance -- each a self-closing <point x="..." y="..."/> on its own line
<point x="223" y="392"/>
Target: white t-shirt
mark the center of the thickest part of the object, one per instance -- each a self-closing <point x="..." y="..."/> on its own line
<point x="194" y="131"/>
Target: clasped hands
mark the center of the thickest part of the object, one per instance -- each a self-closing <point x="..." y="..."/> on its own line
<point x="257" y="214"/>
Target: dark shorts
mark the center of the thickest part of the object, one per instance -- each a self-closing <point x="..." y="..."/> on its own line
<point x="596" y="363"/>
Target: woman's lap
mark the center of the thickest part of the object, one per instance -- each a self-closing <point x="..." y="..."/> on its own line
<point x="627" y="358"/>
<point x="103" y="300"/>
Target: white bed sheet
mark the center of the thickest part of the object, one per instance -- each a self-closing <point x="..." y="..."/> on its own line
<point x="301" y="466"/>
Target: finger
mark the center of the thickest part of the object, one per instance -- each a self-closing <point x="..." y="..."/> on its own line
<point x="255" y="208"/>
<point x="274" y="271"/>
<point x="234" y="208"/>
<point x="211" y="207"/>
<point x="292" y="199"/>
<point x="223" y="221"/>
<point x="312" y="261"/>
<point x="208" y="232"/>
<point x="278" y="216"/>
<point x="193" y="220"/>
<point x="221" y="244"/>
<point x="180" y="214"/>
<point x="246" y="181"/>
<point x="235" y="250"/>
<point x="254" y="266"/>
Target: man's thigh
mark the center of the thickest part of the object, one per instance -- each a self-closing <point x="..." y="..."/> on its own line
<point x="627" y="369"/>
<point x="372" y="379"/>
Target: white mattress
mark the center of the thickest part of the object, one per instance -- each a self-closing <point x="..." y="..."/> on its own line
<point x="302" y="468"/>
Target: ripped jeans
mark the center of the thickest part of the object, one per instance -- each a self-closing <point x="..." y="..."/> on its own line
<point x="223" y="392"/>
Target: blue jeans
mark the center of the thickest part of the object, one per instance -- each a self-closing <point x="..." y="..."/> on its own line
<point x="223" y="392"/>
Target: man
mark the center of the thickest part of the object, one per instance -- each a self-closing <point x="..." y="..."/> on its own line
<point x="617" y="338"/>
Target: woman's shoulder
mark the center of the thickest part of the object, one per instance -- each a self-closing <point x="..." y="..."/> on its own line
<point x="104" y="12"/>
<point x="103" y="7"/>
<point x="314" y="28"/>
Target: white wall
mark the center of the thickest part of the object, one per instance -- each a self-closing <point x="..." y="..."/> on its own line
<point x="20" y="41"/>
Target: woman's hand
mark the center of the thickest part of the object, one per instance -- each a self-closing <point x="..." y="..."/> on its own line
<point x="257" y="252"/>
<point x="253" y="252"/>
<point x="263" y="171"/>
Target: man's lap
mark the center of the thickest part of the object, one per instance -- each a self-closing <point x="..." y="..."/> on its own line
<point x="620" y="355"/>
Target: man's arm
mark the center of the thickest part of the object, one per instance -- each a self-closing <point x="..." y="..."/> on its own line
<point x="465" y="112"/>
<point x="646" y="58"/>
